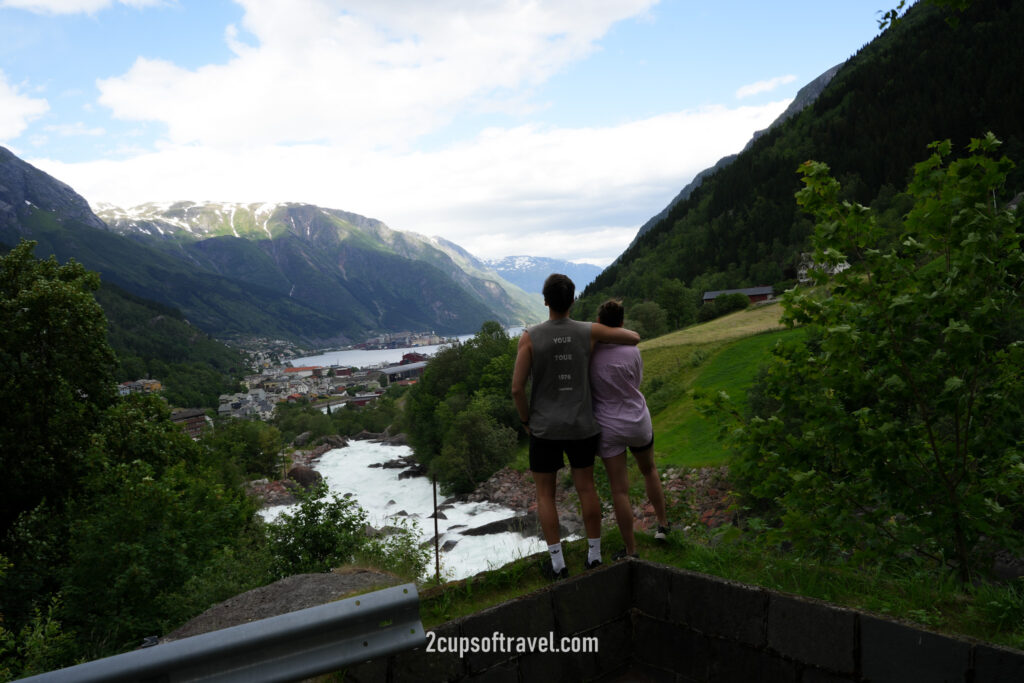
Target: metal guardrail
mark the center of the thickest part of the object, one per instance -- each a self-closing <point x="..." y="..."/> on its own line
<point x="288" y="647"/>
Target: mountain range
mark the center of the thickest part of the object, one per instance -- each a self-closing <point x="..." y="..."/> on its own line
<point x="320" y="276"/>
<point x="529" y="272"/>
<point x="326" y="276"/>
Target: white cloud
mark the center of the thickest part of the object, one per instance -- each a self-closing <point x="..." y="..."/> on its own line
<point x="764" y="86"/>
<point x="74" y="6"/>
<point x="75" y="129"/>
<point x="324" y="101"/>
<point x="16" y="110"/>
<point x="571" y="193"/>
<point x="362" y="73"/>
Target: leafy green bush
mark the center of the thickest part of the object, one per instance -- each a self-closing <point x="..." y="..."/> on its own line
<point x="895" y="429"/>
<point x="721" y="305"/>
<point x="254" y="446"/>
<point x="41" y="645"/>
<point x="324" y="533"/>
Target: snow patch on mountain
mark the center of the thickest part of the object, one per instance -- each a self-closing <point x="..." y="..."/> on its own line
<point x="529" y="272"/>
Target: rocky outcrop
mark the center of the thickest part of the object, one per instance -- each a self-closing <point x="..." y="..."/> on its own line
<point x="525" y="524"/>
<point x="334" y="441"/>
<point x="287" y="595"/>
<point x="701" y="495"/>
<point x="400" y="439"/>
<point x="385" y="437"/>
<point x="306" y="477"/>
<point x="273" y="493"/>
<point x="23" y="186"/>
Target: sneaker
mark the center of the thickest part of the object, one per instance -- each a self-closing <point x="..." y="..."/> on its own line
<point x="662" y="533"/>
<point x="592" y="565"/>
<point x="621" y="555"/>
<point x="550" y="574"/>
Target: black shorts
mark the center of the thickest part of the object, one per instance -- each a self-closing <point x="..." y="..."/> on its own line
<point x="546" y="454"/>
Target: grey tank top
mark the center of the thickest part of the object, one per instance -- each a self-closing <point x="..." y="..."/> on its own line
<point x="560" y="406"/>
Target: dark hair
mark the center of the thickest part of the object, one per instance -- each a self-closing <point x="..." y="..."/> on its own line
<point x="611" y="313"/>
<point x="559" y="292"/>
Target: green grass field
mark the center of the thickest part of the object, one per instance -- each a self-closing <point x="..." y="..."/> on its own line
<point x="720" y="355"/>
<point x="684" y="437"/>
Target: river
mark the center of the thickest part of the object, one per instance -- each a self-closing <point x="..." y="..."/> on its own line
<point x="366" y="358"/>
<point x="383" y="495"/>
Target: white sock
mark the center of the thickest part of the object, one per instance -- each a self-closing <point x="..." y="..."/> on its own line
<point x="594" y="549"/>
<point x="557" y="559"/>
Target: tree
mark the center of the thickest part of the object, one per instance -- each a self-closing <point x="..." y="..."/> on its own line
<point x="475" y="447"/>
<point x="893" y="16"/>
<point x="896" y="428"/>
<point x="647" y="318"/>
<point x="722" y="305"/>
<point x="252" y="445"/>
<point x="680" y="303"/>
<point x="109" y="509"/>
<point x="458" y="416"/>
<point x="56" y="377"/>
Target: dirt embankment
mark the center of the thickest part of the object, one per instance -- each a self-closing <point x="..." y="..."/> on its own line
<point x="701" y="495"/>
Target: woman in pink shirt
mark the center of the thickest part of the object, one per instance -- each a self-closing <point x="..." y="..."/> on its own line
<point x="621" y="411"/>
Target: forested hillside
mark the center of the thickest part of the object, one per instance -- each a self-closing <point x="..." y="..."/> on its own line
<point x="155" y="341"/>
<point x="921" y="80"/>
<point x="115" y="524"/>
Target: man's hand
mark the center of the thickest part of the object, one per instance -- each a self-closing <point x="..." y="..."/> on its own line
<point x="612" y="335"/>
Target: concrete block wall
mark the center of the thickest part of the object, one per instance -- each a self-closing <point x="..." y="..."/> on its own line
<point x="667" y="624"/>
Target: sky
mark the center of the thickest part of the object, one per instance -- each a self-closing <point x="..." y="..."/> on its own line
<point x="511" y="127"/>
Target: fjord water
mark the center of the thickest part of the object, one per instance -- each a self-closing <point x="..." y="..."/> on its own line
<point x="366" y="358"/>
<point x="383" y="495"/>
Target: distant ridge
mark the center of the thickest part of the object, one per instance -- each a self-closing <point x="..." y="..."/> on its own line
<point x="529" y="272"/>
<point x="804" y="98"/>
<point x="354" y="269"/>
<point x="921" y="80"/>
<point x="292" y="271"/>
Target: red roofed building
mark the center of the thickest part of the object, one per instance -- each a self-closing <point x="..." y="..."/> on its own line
<point x="304" y="371"/>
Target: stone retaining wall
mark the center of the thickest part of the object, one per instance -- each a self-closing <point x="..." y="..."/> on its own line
<point x="658" y="623"/>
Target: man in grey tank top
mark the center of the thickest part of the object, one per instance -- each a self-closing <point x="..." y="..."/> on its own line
<point x="558" y="414"/>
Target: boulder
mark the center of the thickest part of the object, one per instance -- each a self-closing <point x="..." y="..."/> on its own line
<point x="336" y="441"/>
<point x="397" y="463"/>
<point x="306" y="477"/>
<point x="524" y="524"/>
<point x="302" y="438"/>
<point x="399" y="439"/>
<point x="287" y="595"/>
